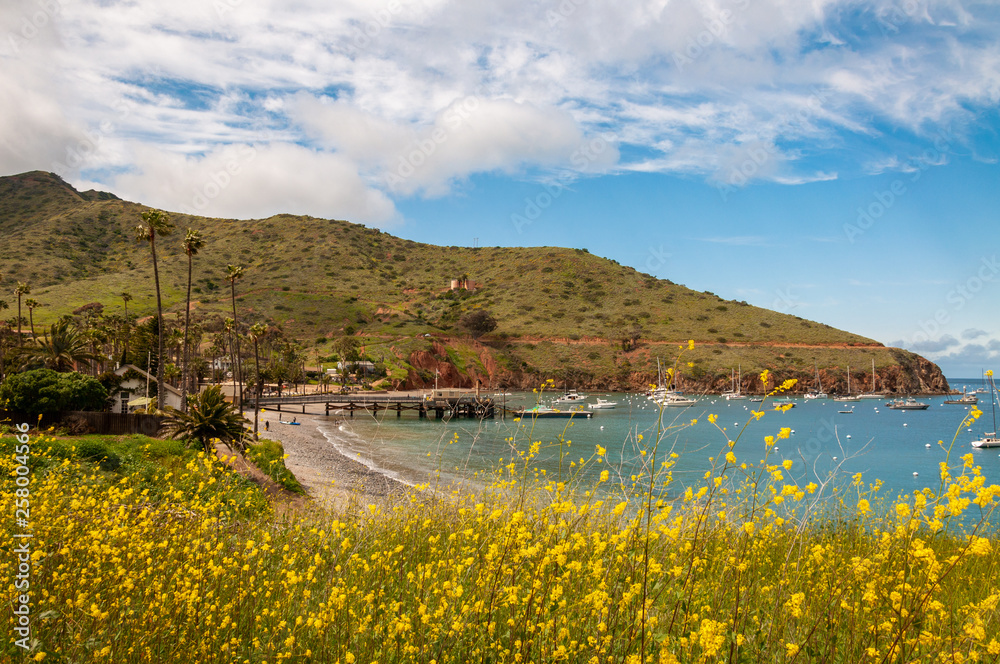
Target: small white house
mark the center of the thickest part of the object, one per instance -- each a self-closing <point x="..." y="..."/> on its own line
<point x="134" y="387"/>
<point x="363" y="367"/>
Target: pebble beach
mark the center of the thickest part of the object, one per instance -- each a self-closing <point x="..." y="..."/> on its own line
<point x="329" y="477"/>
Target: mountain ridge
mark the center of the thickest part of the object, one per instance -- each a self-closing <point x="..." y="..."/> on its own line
<point x="320" y="279"/>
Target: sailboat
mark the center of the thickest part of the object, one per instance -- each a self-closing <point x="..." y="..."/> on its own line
<point x="990" y="439"/>
<point x="735" y="392"/>
<point x="872" y="394"/>
<point x="817" y="393"/>
<point x="847" y="397"/>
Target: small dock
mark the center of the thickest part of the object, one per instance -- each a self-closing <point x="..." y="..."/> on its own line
<point x="453" y="403"/>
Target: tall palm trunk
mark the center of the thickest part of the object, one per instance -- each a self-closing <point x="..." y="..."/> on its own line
<point x="185" y="373"/>
<point x="160" y="385"/>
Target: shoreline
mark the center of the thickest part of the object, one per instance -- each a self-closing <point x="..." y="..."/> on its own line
<point x="328" y="475"/>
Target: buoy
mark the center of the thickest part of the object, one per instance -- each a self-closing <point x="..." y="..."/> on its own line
<point x="915" y="473"/>
<point x="927" y="445"/>
<point x="834" y="458"/>
<point x="793" y="430"/>
<point x="602" y="428"/>
<point x="904" y="424"/>
<point x="848" y="436"/>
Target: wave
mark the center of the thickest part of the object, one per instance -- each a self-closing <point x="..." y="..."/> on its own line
<point x="352" y="446"/>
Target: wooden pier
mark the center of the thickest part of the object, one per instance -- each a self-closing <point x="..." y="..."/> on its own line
<point x="453" y="403"/>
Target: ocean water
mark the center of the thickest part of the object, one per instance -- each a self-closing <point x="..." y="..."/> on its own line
<point x="902" y="449"/>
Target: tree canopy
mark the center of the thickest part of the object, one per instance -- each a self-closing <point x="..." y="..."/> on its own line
<point x="478" y="322"/>
<point x="48" y="391"/>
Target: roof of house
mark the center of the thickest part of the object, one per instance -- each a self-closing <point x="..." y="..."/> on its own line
<point x="125" y="367"/>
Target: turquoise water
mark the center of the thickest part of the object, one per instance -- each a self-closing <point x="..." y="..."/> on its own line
<point x="900" y="448"/>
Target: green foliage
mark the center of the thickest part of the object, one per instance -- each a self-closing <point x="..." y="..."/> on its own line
<point x="48" y="391"/>
<point x="478" y="323"/>
<point x="269" y="456"/>
<point x="209" y="417"/>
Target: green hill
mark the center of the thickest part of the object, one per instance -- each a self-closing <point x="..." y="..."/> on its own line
<point x="561" y="313"/>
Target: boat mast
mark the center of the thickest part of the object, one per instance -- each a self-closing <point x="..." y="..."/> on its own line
<point x="993" y="408"/>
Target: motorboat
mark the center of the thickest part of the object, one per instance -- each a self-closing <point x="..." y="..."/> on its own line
<point x="675" y="401"/>
<point x="601" y="403"/>
<point x="818" y="392"/>
<point x="907" y="404"/>
<point x="967" y="399"/>
<point x="547" y="411"/>
<point x="570" y="398"/>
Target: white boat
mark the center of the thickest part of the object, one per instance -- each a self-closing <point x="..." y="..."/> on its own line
<point x="990" y="439"/>
<point x="675" y="401"/>
<point x="601" y="403"/>
<point x="967" y="399"/>
<point x="907" y="404"/>
<point x="818" y="392"/>
<point x="570" y="398"/>
<point x="872" y="394"/>
<point x="735" y="392"/>
<point x="545" y="411"/>
<point x="847" y="397"/>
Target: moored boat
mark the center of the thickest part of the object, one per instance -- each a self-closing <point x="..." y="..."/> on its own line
<point x="907" y="404"/>
<point x="990" y="439"/>
<point x="601" y="403"/>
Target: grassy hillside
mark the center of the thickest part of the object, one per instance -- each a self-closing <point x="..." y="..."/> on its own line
<point x="320" y="278"/>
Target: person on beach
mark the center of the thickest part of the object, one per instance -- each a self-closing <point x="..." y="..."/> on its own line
<point x="267" y="425"/>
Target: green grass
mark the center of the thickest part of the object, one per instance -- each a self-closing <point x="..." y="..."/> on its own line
<point x="269" y="456"/>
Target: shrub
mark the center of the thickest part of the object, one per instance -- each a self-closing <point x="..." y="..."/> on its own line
<point x="48" y="391"/>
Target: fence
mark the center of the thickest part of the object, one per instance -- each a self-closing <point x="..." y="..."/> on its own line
<point x="116" y="424"/>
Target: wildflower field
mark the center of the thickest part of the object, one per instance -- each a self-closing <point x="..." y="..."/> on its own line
<point x="166" y="556"/>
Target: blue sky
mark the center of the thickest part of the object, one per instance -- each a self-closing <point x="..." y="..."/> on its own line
<point x="833" y="159"/>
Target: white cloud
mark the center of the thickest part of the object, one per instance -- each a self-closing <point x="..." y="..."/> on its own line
<point x="246" y="181"/>
<point x="684" y="86"/>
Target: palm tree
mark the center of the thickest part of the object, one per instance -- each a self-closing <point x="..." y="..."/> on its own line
<point x="234" y="272"/>
<point x="61" y="349"/>
<point x="256" y="332"/>
<point x="19" y="290"/>
<point x="157" y="224"/>
<point x="229" y="327"/>
<point x="31" y="303"/>
<point x="126" y="296"/>
<point x="208" y="417"/>
<point x="3" y="305"/>
<point x="192" y="243"/>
